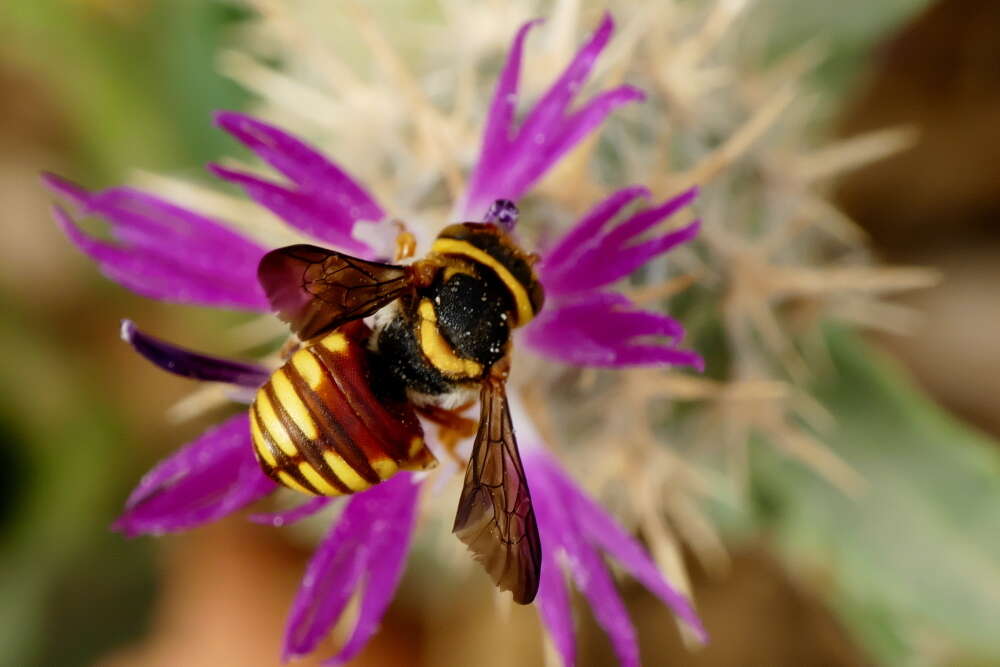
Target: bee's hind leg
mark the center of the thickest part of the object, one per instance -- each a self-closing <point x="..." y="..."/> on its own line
<point x="453" y="428"/>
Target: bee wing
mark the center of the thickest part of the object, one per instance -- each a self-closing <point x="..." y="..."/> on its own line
<point x="495" y="518"/>
<point x="314" y="289"/>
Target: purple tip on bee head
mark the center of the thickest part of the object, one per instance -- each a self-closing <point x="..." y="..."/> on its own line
<point x="502" y="212"/>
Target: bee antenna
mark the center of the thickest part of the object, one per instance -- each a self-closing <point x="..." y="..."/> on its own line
<point x="502" y="212"/>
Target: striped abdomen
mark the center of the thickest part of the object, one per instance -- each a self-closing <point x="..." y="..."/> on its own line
<point x="318" y="426"/>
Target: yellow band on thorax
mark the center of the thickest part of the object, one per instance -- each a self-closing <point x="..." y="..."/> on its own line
<point x="437" y="349"/>
<point x="455" y="247"/>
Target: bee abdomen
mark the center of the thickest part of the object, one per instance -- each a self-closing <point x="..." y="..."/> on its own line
<point x="319" y="427"/>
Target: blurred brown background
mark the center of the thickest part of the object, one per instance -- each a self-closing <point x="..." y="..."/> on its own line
<point x="938" y="204"/>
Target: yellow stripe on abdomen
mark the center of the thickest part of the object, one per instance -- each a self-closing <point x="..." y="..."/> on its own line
<point x="293" y="405"/>
<point x="260" y="445"/>
<point x="269" y="422"/>
<point x="308" y="367"/>
<point x="344" y="472"/>
<point x="517" y="290"/>
<point x="290" y="482"/>
<point x="384" y="467"/>
<point x="317" y="480"/>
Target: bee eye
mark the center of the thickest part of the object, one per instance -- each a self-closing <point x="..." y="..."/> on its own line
<point x="502" y="212"/>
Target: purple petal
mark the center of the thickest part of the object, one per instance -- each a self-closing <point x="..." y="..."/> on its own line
<point x="589" y="256"/>
<point x="512" y="160"/>
<point x="604" y="329"/>
<point x="532" y="154"/>
<point x="369" y="542"/>
<point x="288" y="517"/>
<point x="323" y="187"/>
<point x="143" y="220"/>
<point x="617" y="319"/>
<point x="554" y="606"/>
<point x="298" y="161"/>
<point x="585" y="231"/>
<point x="591" y="576"/>
<point x="332" y="577"/>
<point x="608" y="534"/>
<point x="149" y="275"/>
<point x="390" y="540"/>
<point x="603" y="268"/>
<point x="163" y="251"/>
<point x="654" y="355"/>
<point x="206" y="480"/>
<point x="190" y="364"/>
<point x="553" y="594"/>
<point x="496" y="134"/>
<point x="300" y="209"/>
<point x="572" y="526"/>
<point x="634" y="323"/>
<point x="646" y="219"/>
<point x="558" y="527"/>
<point x="549" y="110"/>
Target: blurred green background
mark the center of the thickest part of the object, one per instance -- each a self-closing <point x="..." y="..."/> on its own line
<point x="93" y="89"/>
<point x="97" y="89"/>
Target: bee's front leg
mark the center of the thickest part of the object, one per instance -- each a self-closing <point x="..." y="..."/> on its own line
<point x="406" y="242"/>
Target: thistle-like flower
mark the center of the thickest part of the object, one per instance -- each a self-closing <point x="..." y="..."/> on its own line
<point x="170" y="253"/>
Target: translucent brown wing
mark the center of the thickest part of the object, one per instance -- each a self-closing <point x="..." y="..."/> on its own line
<point x="495" y="518"/>
<point x="315" y="289"/>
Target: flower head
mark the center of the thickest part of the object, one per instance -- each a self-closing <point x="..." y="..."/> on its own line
<point x="170" y="253"/>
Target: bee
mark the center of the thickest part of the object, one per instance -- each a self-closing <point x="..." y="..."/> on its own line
<point x="341" y="414"/>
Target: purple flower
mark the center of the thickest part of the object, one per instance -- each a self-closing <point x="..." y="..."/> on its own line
<point x="166" y="252"/>
<point x="513" y="158"/>
<point x="366" y="547"/>
<point x="574" y="530"/>
<point x="585" y="326"/>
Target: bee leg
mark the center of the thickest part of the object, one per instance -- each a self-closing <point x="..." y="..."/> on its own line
<point x="406" y="242"/>
<point x="453" y="428"/>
